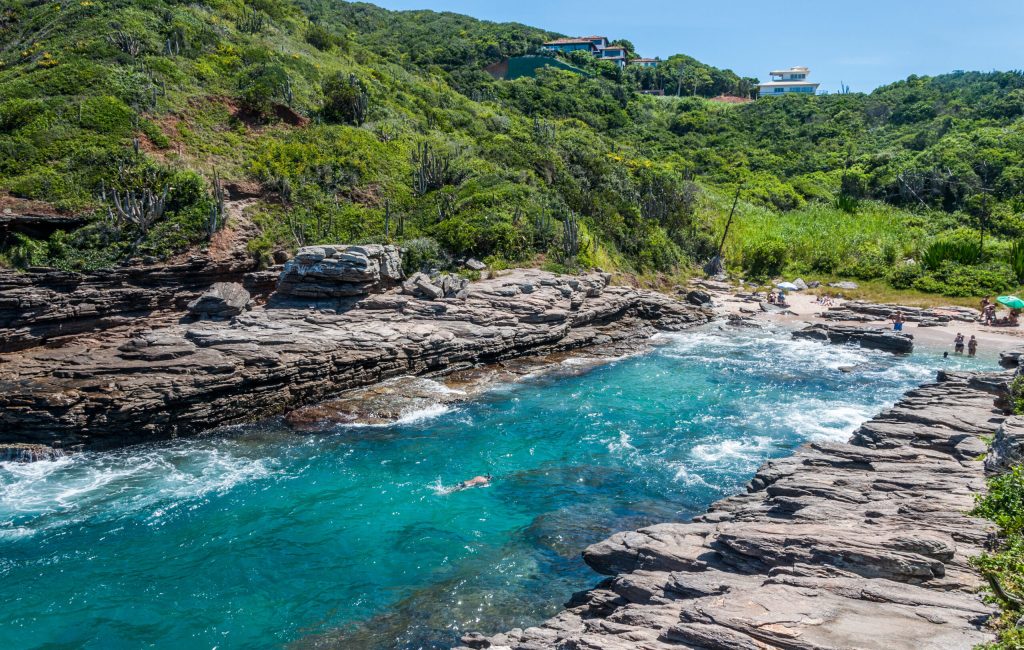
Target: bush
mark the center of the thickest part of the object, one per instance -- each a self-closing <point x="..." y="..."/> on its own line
<point x="320" y="37"/>
<point x="347" y="99"/>
<point x="765" y="259"/>
<point x="262" y="87"/>
<point x="904" y="276"/>
<point x="962" y="252"/>
<point x="421" y="254"/>
<point x="958" y="280"/>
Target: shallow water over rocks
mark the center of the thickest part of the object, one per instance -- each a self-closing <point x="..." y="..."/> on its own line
<point x="349" y="536"/>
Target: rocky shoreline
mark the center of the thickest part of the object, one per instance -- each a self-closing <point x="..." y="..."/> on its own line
<point x="340" y="319"/>
<point x="864" y="544"/>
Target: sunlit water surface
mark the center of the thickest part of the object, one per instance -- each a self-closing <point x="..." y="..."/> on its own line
<point x="262" y="537"/>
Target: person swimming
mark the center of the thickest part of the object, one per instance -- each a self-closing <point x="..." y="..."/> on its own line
<point x="476" y="481"/>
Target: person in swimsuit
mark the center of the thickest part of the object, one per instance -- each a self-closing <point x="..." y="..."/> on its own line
<point x="476" y="481"/>
<point x="958" y="343"/>
<point x="972" y="346"/>
<point x="897" y="321"/>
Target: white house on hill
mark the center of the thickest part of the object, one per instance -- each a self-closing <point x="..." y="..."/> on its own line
<point x="793" y="80"/>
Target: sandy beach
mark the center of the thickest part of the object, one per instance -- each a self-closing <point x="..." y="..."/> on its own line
<point x="804" y="308"/>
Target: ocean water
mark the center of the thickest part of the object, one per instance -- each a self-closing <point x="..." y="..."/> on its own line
<point x="261" y="537"/>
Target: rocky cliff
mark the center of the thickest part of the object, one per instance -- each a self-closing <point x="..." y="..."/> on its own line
<point x="338" y="322"/>
<point x="864" y="544"/>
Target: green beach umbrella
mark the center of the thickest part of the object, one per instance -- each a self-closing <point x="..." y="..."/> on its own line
<point x="1013" y="302"/>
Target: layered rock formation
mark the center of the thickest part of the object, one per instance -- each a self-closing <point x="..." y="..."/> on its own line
<point x="860" y="310"/>
<point x="874" y="339"/>
<point x="863" y="545"/>
<point x="314" y="342"/>
<point x="48" y="305"/>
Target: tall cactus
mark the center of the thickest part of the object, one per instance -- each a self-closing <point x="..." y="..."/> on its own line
<point x="571" y="236"/>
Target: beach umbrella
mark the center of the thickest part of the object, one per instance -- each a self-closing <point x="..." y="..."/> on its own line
<point x="789" y="286"/>
<point x="1013" y="302"/>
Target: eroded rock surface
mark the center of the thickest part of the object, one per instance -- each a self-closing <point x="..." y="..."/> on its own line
<point x="857" y="545"/>
<point x="187" y="377"/>
<point x="874" y="339"/>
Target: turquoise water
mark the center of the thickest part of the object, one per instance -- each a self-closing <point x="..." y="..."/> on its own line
<point x="262" y="537"/>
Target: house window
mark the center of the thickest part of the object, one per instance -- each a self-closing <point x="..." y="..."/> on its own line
<point x="779" y="89"/>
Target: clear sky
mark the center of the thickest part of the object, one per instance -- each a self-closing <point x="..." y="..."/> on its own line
<point x="864" y="44"/>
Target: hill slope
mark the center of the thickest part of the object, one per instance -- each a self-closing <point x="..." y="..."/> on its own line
<point x="359" y="124"/>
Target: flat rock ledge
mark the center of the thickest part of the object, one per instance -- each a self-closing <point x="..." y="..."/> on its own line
<point x="314" y="340"/>
<point x="856" y="545"/>
<point x="874" y="339"/>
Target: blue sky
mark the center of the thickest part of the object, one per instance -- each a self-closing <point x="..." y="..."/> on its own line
<point x="863" y="44"/>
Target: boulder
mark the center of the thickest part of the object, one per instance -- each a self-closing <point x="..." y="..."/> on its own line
<point x="698" y="297"/>
<point x="474" y="264"/>
<point x="844" y="285"/>
<point x="874" y="339"/>
<point x="800" y="284"/>
<point x="222" y="301"/>
<point x="1007" y="446"/>
<point x="324" y="272"/>
<point x="1011" y="358"/>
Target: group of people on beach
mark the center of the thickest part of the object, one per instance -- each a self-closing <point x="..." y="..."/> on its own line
<point x="777" y="299"/>
<point x="988" y="315"/>
<point x="825" y="300"/>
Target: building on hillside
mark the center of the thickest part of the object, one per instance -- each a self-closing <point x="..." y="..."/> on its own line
<point x="515" y="67"/>
<point x="566" y="45"/>
<point x="613" y="53"/>
<point x="645" y="63"/>
<point x="598" y="41"/>
<point x="784" y="82"/>
<point x="599" y="46"/>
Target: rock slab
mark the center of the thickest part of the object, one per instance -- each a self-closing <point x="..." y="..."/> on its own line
<point x="184" y="378"/>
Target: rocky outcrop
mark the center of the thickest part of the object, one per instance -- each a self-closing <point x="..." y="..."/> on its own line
<point x="837" y="546"/>
<point x="1011" y="358"/>
<point x="47" y="306"/>
<point x="321" y="272"/>
<point x="860" y="310"/>
<point x="222" y="301"/>
<point x="874" y="339"/>
<point x="183" y="378"/>
<point x="1007" y="446"/>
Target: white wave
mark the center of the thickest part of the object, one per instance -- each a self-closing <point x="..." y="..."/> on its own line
<point x="731" y="449"/>
<point x="622" y="444"/>
<point x="426" y="413"/>
<point x="114" y="483"/>
<point x="688" y="478"/>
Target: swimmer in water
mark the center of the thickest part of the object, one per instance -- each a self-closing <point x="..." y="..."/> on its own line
<point x="476" y="481"/>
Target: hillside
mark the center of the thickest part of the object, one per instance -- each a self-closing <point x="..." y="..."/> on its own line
<point x="357" y="124"/>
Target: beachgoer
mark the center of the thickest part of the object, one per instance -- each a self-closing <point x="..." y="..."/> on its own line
<point x="958" y="343"/>
<point x="782" y="298"/>
<point x="989" y="316"/>
<point x="476" y="481"/>
<point x="1014" y="316"/>
<point x="897" y="321"/>
<point x="972" y="346"/>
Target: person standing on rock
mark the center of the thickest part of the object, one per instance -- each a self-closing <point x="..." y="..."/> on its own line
<point x="897" y="321"/>
<point x="958" y="343"/>
<point x="972" y="346"/>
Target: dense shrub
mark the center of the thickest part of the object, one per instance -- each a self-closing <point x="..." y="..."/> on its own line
<point x="765" y="259"/>
<point x="952" y="279"/>
<point x="347" y="99"/>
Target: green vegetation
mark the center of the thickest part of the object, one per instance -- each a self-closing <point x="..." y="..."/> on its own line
<point x="1003" y="565"/>
<point x="362" y="125"/>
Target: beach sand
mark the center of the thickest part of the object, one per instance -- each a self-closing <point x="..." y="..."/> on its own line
<point x="805" y="309"/>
